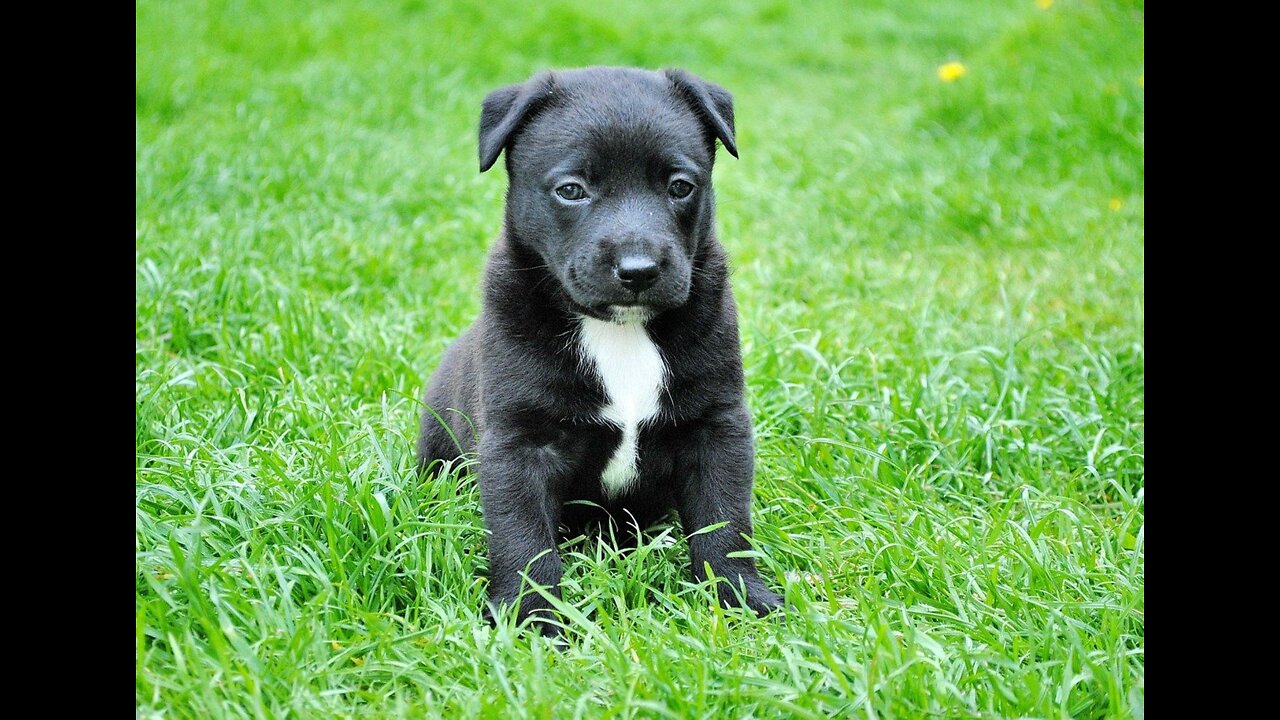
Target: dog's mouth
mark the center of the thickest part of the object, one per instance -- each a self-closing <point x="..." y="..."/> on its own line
<point x="627" y="314"/>
<point x="602" y="301"/>
<point x="617" y="312"/>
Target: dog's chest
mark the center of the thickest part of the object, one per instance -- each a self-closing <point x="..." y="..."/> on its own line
<point x="633" y="373"/>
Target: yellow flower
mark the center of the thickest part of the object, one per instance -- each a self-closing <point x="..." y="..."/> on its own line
<point x="1115" y="204"/>
<point x="952" y="71"/>
<point x="1044" y="4"/>
<point x="1142" y="80"/>
<point x="335" y="645"/>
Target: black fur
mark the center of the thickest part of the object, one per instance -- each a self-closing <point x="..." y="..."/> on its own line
<point x="624" y="136"/>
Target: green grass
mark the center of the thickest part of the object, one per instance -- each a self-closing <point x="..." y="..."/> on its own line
<point x="943" y="327"/>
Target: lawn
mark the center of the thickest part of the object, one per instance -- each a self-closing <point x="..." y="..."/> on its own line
<point x="942" y="289"/>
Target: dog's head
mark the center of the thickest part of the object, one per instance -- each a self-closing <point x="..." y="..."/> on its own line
<point x="610" y="179"/>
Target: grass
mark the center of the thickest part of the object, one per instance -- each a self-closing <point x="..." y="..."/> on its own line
<point x="943" y="304"/>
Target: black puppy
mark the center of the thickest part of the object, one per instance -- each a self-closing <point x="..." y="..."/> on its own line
<point x="605" y="365"/>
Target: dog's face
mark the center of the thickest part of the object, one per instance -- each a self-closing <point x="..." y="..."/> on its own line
<point x="610" y="180"/>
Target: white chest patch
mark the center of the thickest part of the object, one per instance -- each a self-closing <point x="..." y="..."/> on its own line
<point x="633" y="374"/>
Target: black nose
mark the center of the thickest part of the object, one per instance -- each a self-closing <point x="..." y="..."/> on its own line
<point x="636" y="272"/>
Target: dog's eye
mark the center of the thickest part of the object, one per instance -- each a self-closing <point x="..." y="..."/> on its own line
<point x="680" y="189"/>
<point x="571" y="191"/>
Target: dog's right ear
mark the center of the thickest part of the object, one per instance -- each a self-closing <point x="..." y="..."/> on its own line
<point x="504" y="110"/>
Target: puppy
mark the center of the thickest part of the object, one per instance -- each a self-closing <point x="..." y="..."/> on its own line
<point x="605" y="365"/>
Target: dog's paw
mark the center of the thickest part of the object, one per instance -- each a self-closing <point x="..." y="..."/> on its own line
<point x="758" y="598"/>
<point x="546" y="623"/>
<point x="531" y="615"/>
<point x="763" y="600"/>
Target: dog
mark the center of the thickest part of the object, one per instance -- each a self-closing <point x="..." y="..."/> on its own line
<point x="605" y="365"/>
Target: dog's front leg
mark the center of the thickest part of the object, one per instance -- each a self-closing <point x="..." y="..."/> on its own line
<point x="520" y="488"/>
<point x="716" y="468"/>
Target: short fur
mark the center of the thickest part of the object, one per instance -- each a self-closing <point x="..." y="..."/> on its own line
<point x="631" y="369"/>
<point x="515" y="387"/>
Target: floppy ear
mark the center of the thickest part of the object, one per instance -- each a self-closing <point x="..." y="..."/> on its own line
<point x="712" y="102"/>
<point x="503" y="111"/>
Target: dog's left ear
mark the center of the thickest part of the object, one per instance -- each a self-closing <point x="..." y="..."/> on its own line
<point x="712" y="102"/>
<point x="503" y="111"/>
